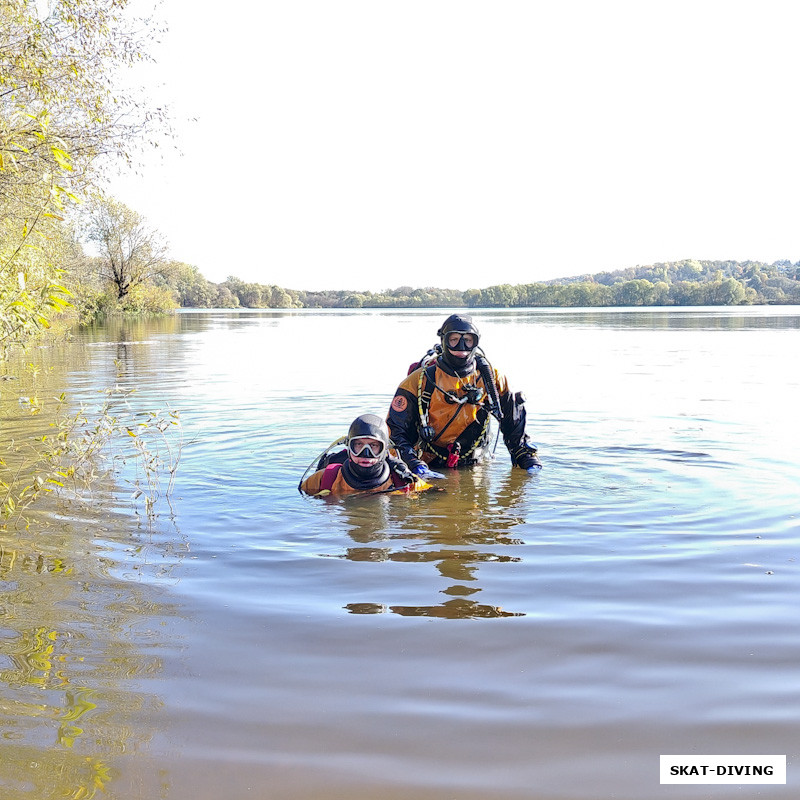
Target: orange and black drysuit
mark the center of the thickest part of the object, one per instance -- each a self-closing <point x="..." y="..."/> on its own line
<point x="442" y="419"/>
<point x="335" y="477"/>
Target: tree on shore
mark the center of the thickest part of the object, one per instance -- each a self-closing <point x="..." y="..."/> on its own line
<point x="60" y="116"/>
<point x="189" y="287"/>
<point x="130" y="251"/>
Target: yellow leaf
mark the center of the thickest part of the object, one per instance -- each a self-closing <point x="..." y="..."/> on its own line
<point x="61" y="157"/>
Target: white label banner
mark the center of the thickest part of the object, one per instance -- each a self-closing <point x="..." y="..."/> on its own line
<point x="723" y="769"/>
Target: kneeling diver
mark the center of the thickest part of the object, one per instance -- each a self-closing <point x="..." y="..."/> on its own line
<point x="366" y="466"/>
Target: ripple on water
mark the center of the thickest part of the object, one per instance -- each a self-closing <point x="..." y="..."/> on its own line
<point x="510" y="634"/>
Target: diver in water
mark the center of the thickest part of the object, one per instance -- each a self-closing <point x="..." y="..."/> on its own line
<point x="440" y="413"/>
<point x="366" y="466"/>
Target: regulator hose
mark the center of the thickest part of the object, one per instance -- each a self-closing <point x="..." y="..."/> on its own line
<point x="487" y="373"/>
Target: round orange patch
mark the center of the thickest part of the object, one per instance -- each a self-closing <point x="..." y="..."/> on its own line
<point x="399" y="403"/>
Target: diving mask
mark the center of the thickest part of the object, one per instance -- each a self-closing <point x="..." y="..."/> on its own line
<point x="366" y="447"/>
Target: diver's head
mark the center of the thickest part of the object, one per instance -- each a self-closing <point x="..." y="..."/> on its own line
<point x="368" y="445"/>
<point x="460" y="338"/>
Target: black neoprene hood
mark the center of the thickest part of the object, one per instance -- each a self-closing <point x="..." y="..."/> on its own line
<point x="370" y="425"/>
<point x="369" y="477"/>
<point x="458" y="323"/>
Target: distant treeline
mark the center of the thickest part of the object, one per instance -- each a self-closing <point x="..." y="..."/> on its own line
<point x="681" y="283"/>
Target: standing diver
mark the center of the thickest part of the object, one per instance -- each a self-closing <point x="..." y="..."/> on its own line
<point x="366" y="466"/>
<point x="440" y="413"/>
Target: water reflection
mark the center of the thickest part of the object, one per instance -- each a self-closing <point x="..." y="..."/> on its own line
<point x="457" y="531"/>
<point x="667" y="318"/>
<point x="630" y="529"/>
<point x="458" y="608"/>
<point x="76" y="645"/>
<point x="134" y="354"/>
<point x="130" y="330"/>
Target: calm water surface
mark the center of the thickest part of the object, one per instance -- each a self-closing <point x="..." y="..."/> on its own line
<point x="511" y="637"/>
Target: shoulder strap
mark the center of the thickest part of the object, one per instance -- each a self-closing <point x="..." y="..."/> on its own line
<point x="426" y="390"/>
<point x="329" y="476"/>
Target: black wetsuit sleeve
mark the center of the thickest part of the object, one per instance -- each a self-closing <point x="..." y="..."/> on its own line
<point x="400" y="468"/>
<point x="403" y="422"/>
<point x="513" y="429"/>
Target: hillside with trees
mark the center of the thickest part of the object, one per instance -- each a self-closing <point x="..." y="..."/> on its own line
<point x="680" y="283"/>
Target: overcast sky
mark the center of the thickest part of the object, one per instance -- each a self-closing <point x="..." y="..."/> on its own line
<point x="363" y="144"/>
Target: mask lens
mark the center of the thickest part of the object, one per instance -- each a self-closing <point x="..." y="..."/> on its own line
<point x="461" y="341"/>
<point x="366" y="447"/>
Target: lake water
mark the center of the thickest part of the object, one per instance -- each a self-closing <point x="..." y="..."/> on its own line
<point x="511" y="637"/>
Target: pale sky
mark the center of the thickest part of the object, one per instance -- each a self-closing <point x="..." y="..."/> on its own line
<point x="363" y="144"/>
